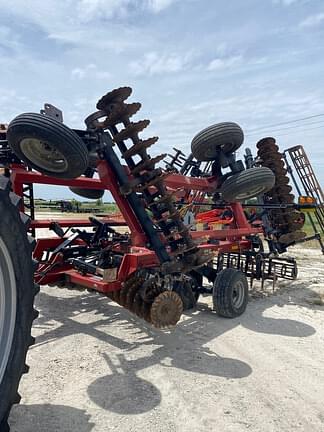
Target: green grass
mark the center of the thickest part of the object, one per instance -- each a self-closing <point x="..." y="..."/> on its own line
<point x="100" y="207"/>
<point x="308" y="226"/>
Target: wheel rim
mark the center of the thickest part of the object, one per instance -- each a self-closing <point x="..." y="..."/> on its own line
<point x="8" y="303"/>
<point x="43" y="155"/>
<point x="251" y="193"/>
<point x="238" y="294"/>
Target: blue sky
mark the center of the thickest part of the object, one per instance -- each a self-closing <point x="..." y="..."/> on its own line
<point x="191" y="63"/>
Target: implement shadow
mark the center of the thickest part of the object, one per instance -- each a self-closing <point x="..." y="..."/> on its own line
<point x="123" y="392"/>
<point x="58" y="318"/>
<point x="49" y="418"/>
<point x="185" y="347"/>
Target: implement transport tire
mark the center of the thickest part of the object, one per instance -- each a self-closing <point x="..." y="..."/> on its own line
<point x="230" y="293"/>
<point x="17" y="292"/>
<point x="88" y="193"/>
<point x="48" y="146"/>
<point x="226" y="136"/>
<point x="247" y="184"/>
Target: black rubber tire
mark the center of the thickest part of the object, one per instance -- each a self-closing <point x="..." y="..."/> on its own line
<point x="18" y="247"/>
<point x="88" y="193"/>
<point x="247" y="184"/>
<point x="226" y="136"/>
<point x="55" y="135"/>
<point x="226" y="285"/>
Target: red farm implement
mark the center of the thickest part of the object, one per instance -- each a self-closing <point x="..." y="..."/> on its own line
<point x="182" y="220"/>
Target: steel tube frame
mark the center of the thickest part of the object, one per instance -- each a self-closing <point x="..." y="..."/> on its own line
<point x="139" y="255"/>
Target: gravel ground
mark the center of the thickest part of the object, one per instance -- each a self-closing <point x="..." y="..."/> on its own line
<point x="95" y="367"/>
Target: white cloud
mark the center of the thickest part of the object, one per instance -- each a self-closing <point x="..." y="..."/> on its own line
<point x="90" y="10"/>
<point x="52" y="15"/>
<point x="313" y="20"/>
<point x="286" y="2"/>
<point x="154" y="63"/>
<point x="89" y="70"/>
<point x="84" y="22"/>
<point x="158" y="5"/>
<point x="8" y="38"/>
<point x="224" y="63"/>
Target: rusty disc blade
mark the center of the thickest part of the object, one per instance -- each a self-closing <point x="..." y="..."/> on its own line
<point x="137" y="305"/>
<point x="292" y="237"/>
<point x="131" y="295"/>
<point x="120" y="112"/>
<point x="268" y="148"/>
<point x="270" y="156"/>
<point x="146" y="311"/>
<point x="274" y="164"/>
<point x="281" y="180"/>
<point x="117" y="95"/>
<point x="149" y="290"/>
<point x="139" y="147"/>
<point x="281" y="190"/>
<point x="166" y="309"/>
<point x="147" y="164"/>
<point x="123" y="293"/>
<point x="131" y="130"/>
<point x="266" y="141"/>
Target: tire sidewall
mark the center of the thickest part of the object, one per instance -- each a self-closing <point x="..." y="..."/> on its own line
<point x="224" y="286"/>
<point x="17" y="132"/>
<point x="15" y="239"/>
<point x="242" y="181"/>
<point x="208" y="143"/>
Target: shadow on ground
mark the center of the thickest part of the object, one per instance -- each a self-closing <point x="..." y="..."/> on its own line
<point x="49" y="418"/>
<point x="122" y="391"/>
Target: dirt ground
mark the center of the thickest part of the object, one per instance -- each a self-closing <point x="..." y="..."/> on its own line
<point x="95" y="367"/>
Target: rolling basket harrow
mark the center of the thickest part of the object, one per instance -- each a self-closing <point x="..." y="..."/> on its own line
<point x="186" y="219"/>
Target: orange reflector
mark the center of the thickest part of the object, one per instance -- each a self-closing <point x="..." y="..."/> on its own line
<point x="306" y="200"/>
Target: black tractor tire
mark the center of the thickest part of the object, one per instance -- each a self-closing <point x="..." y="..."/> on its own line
<point x="226" y="136"/>
<point x="88" y="193"/>
<point x="230" y="293"/>
<point x="17" y="292"/>
<point x="48" y="146"/>
<point x="247" y="184"/>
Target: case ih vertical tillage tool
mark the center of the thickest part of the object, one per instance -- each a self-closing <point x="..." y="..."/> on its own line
<point x="156" y="269"/>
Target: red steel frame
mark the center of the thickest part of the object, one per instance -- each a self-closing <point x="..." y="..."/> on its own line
<point x="50" y="271"/>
